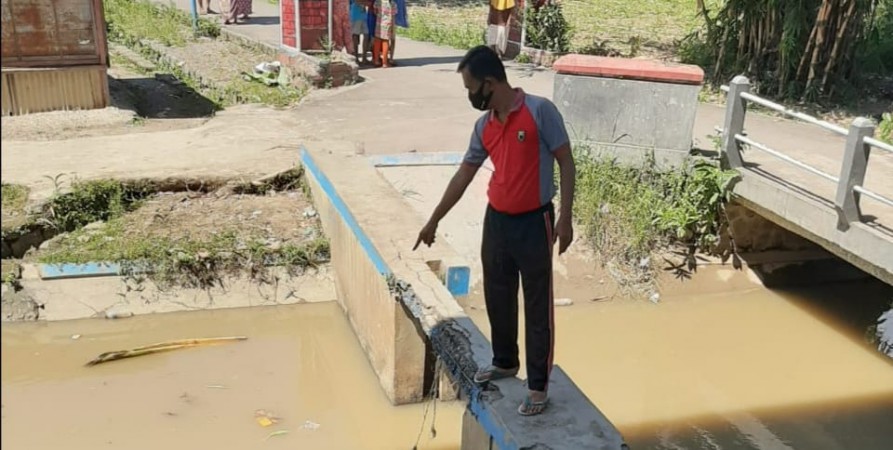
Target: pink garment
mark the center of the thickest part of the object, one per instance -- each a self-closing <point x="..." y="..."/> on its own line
<point x="385" y="10"/>
<point x="230" y="10"/>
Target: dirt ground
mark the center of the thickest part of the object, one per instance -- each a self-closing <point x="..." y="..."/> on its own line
<point x="278" y="217"/>
<point x="140" y="104"/>
<point x="218" y="60"/>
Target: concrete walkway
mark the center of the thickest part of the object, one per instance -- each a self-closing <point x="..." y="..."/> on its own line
<point x="421" y="106"/>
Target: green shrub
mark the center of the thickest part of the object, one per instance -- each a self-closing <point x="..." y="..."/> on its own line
<point x="885" y="129"/>
<point x="547" y="29"/>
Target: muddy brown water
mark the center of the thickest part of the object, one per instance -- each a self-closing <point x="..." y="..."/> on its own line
<point x="301" y="363"/>
<point x="720" y="363"/>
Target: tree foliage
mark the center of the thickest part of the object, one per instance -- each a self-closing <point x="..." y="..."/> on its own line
<point x="803" y="49"/>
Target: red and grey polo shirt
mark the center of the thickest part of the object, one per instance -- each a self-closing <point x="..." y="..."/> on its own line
<point x="522" y="151"/>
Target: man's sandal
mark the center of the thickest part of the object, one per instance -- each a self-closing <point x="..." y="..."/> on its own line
<point x="532" y="408"/>
<point x="494" y="373"/>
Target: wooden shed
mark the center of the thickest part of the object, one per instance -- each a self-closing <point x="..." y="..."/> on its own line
<point x="55" y="56"/>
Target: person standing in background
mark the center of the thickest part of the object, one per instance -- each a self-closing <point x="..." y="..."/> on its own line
<point x="231" y="11"/>
<point x="497" y="25"/>
<point x="385" y="10"/>
<point x="359" y="28"/>
<point x="204" y="6"/>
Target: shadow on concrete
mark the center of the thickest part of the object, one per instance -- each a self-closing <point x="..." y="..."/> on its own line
<point x="427" y="61"/>
<point x="261" y="20"/>
<point x="867" y="219"/>
<point x="872" y="222"/>
<point x="159" y="97"/>
<point x="755" y="168"/>
<point x="524" y="70"/>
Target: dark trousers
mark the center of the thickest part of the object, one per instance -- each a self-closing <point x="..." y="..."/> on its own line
<point x="516" y="245"/>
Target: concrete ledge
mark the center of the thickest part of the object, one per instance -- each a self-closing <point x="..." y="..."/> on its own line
<point x="629" y="69"/>
<point x="417" y="159"/>
<point x="861" y="245"/>
<point x="422" y="159"/>
<point x="443" y="329"/>
<point x="82" y="297"/>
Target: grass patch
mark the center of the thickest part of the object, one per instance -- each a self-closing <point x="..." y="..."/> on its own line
<point x="241" y="91"/>
<point x="630" y="213"/>
<point x="457" y="24"/>
<point x="185" y="261"/>
<point x="597" y="26"/>
<point x="134" y="225"/>
<point x="93" y="201"/>
<point x="885" y="128"/>
<point x="130" y="21"/>
<point x="14" y="198"/>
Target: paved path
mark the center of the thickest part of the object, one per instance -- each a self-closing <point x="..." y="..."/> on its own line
<point x="421" y="106"/>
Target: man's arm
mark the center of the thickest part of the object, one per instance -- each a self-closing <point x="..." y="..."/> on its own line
<point x="454" y="190"/>
<point x="554" y="135"/>
<point x="474" y="158"/>
<point x="567" y="171"/>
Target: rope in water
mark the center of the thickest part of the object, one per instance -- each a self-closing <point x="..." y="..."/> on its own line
<point x="432" y="394"/>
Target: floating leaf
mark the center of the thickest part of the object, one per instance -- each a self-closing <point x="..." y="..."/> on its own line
<point x="277" y="433"/>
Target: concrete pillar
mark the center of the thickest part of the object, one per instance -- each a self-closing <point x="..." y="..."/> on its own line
<point x="473" y="435"/>
<point x="852" y="172"/>
<point x="629" y="109"/>
<point x="734" y="123"/>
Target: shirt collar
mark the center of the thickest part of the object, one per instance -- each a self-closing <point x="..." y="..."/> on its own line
<point x="516" y="103"/>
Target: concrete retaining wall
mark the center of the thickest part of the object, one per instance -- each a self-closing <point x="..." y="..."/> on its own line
<point x="395" y="349"/>
<point x="629" y="108"/>
<point x="372" y="231"/>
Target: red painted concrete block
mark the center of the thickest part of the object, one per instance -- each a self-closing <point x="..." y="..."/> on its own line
<point x="630" y="69"/>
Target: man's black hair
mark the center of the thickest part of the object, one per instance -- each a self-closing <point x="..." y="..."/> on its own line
<point x="483" y="62"/>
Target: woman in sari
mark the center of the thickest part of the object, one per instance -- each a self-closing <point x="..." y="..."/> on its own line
<point x="385" y="10"/>
<point x="231" y="11"/>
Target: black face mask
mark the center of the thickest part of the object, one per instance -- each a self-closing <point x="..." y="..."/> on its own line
<point x="479" y="100"/>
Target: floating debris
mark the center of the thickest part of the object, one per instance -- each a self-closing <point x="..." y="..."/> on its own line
<point x="162" y="347"/>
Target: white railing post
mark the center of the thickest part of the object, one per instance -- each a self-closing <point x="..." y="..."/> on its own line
<point x="852" y="172"/>
<point x="730" y="151"/>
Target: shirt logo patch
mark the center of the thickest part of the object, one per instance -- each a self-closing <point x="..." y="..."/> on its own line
<point x="521" y="136"/>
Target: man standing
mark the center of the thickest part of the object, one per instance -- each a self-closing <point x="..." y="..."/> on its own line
<point x="523" y="135"/>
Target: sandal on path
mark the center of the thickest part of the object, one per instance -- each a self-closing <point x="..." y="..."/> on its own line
<point x="532" y="408"/>
<point x="494" y="373"/>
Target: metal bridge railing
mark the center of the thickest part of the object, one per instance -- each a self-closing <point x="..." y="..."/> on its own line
<point x="859" y="141"/>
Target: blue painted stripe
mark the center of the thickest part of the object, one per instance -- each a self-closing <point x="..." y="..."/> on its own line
<point x="86" y="270"/>
<point x="487" y="420"/>
<point x="417" y="159"/>
<point x="98" y="269"/>
<point x="344" y="212"/>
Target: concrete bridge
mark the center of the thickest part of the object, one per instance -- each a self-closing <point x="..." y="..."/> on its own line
<point x="811" y="178"/>
<point x="837" y="195"/>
